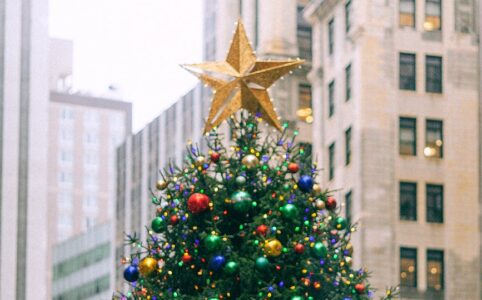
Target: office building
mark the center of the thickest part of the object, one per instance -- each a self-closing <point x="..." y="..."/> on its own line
<point x="23" y="149"/>
<point x="82" y="266"/>
<point x="396" y="112"/>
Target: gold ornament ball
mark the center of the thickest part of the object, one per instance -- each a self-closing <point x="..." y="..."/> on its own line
<point x="272" y="247"/>
<point x="316" y="188"/>
<point x="348" y="260"/>
<point x="349" y="248"/>
<point x="161" y="184"/>
<point x="200" y="160"/>
<point x="250" y="161"/>
<point x="147" y="266"/>
<point x="320" y="204"/>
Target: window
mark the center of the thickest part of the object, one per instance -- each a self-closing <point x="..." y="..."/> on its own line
<point x="408" y="136"/>
<point x="433" y="15"/>
<point x="304" y="36"/>
<point x="65" y="177"/>
<point x="435" y="270"/>
<point x="91" y="138"/>
<point x="305" y="111"/>
<point x="89" y="222"/>
<point x="407" y="72"/>
<point x="67" y="114"/>
<point x="90" y="202"/>
<point x="433" y="139"/>
<point x="433" y="74"/>
<point x="64" y="199"/>
<point x="90" y="180"/>
<point x="331" y="98"/>
<point x="66" y="135"/>
<point x="331" y="158"/>
<point x="348" y="146"/>
<point x="348" y="214"/>
<point x="347" y="16"/>
<point x="408" y="267"/>
<point x="91" y="118"/>
<point x="91" y="158"/>
<point x="66" y="156"/>
<point x="331" y="36"/>
<point x="407" y="13"/>
<point x="435" y="203"/>
<point x="408" y="201"/>
<point x="348" y="82"/>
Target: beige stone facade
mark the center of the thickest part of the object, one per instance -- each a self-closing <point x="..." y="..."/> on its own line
<point x="378" y="34"/>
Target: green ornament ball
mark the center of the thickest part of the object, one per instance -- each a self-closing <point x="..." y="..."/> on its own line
<point x="231" y="267"/>
<point x="289" y="211"/>
<point x="158" y="225"/>
<point x="319" y="250"/>
<point x="242" y="201"/>
<point x="340" y="223"/>
<point x="262" y="263"/>
<point x="240" y="180"/>
<point x="212" y="243"/>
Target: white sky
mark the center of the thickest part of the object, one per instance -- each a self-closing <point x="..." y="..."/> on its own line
<point x="135" y="44"/>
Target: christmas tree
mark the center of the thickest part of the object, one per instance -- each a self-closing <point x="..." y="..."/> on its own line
<point x="245" y="221"/>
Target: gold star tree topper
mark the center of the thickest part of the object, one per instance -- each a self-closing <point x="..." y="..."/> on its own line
<point x="241" y="82"/>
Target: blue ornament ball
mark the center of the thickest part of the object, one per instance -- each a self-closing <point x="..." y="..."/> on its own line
<point x="306" y="183"/>
<point x="131" y="273"/>
<point x="217" y="262"/>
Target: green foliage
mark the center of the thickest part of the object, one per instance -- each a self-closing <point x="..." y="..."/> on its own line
<point x="301" y="254"/>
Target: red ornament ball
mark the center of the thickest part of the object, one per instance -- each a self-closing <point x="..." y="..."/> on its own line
<point x="174" y="219"/>
<point x="186" y="257"/>
<point x="299" y="248"/>
<point x="262" y="230"/>
<point x="293" y="167"/>
<point x="215" y="157"/>
<point x="197" y="203"/>
<point x="330" y="203"/>
<point x="360" y="288"/>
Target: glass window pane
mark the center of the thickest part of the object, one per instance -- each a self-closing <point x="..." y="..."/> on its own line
<point x="435" y="209"/>
<point x="348" y="209"/>
<point x="331" y="98"/>
<point x="348" y="146"/>
<point x="331" y="158"/>
<point x="407" y="13"/>
<point x="408" y="267"/>
<point x="434" y="139"/>
<point x="407" y="71"/>
<point x="407" y="136"/>
<point x="433" y="15"/>
<point x="305" y="110"/>
<point x="331" y="38"/>
<point x="408" y="201"/>
<point x="435" y="270"/>
<point x="348" y="82"/>
<point x="433" y="74"/>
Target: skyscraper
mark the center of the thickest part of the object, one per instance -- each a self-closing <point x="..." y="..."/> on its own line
<point x="396" y="112"/>
<point x="23" y="149"/>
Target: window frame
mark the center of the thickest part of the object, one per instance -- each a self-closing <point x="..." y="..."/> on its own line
<point x="331" y="161"/>
<point x="348" y="79"/>
<point x="348" y="16"/>
<point x="431" y="82"/>
<point x="331" y="36"/>
<point x="407" y="82"/>
<point x="331" y="98"/>
<point x="348" y="142"/>
<point x="414" y="143"/>
<point x="412" y="215"/>
<point x="348" y="204"/>
<point x="440" y="16"/>
<point x="441" y="128"/>
<point x="436" y="252"/>
<point x="414" y="256"/>
<point x="412" y="14"/>
<point x="434" y="214"/>
<point x="305" y="87"/>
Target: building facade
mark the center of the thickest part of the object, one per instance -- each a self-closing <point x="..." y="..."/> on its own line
<point x="82" y="266"/>
<point x="396" y="116"/>
<point x="140" y="158"/>
<point x="84" y="133"/>
<point x="23" y="149"/>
